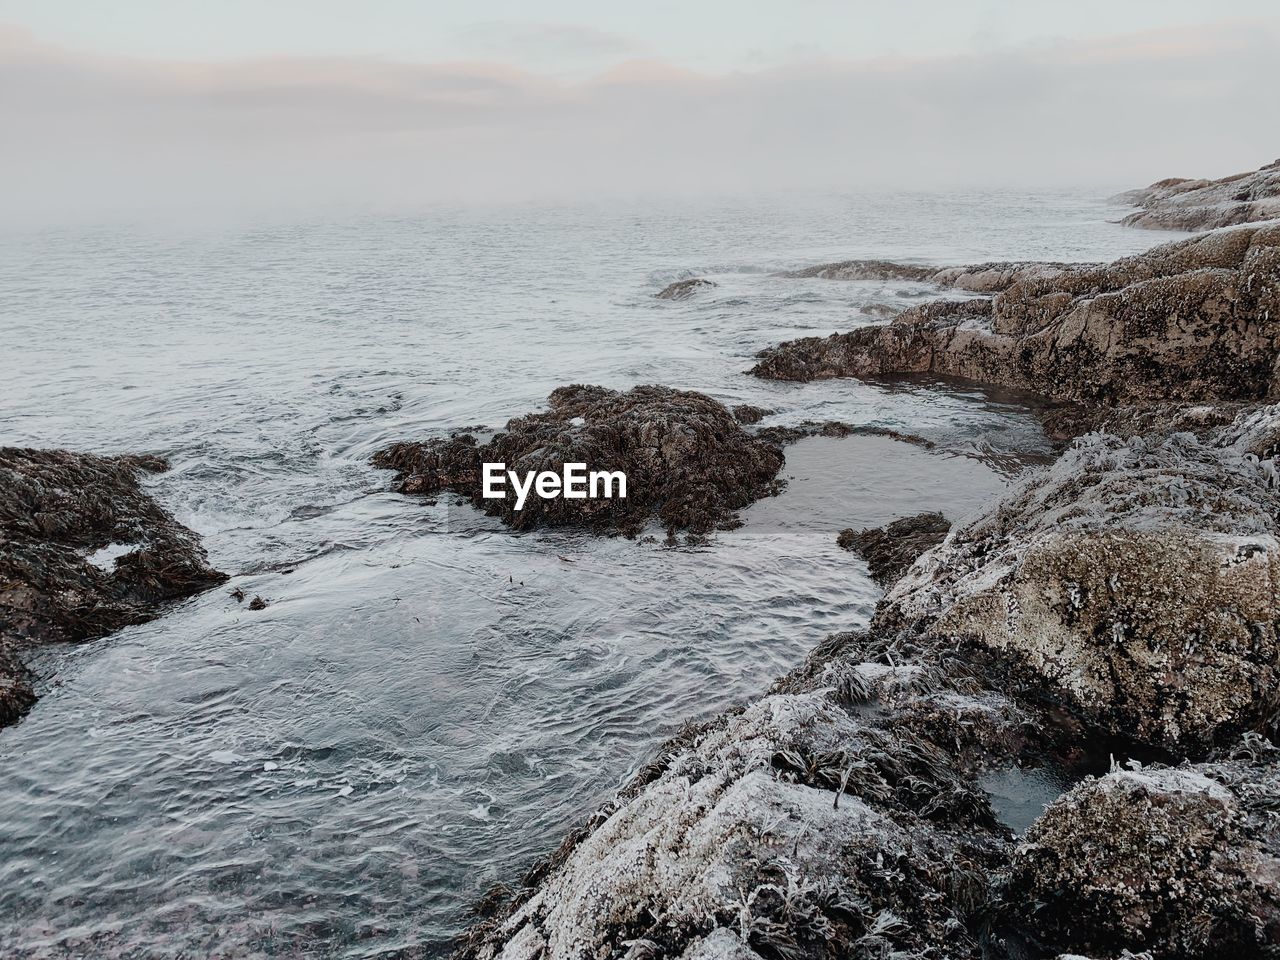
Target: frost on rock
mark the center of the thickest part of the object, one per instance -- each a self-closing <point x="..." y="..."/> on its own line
<point x="1190" y="320"/>
<point x="1137" y="580"/>
<point x="791" y="829"/>
<point x="1173" y="862"/>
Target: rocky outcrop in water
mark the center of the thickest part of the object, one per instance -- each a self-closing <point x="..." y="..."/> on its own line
<point x="689" y="463"/>
<point x="1126" y="593"/>
<point x="684" y="289"/>
<point x="1191" y="320"/>
<point x="891" y="549"/>
<point x="58" y="511"/>
<point x="1180" y="204"/>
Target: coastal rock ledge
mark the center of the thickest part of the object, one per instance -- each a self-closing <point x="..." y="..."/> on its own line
<point x="1122" y="601"/>
<point x="1181" y="204"/>
<point x="83" y="552"/>
<point x="1197" y="319"/>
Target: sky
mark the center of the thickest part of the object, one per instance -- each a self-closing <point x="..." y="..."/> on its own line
<point x="169" y="104"/>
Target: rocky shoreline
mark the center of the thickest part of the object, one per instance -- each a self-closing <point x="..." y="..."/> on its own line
<point x="1111" y="624"/>
<point x="1184" y="204"/>
<point x="83" y="552"/>
<point x="1120" y="603"/>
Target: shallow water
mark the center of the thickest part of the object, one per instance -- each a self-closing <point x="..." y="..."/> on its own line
<point x="429" y="701"/>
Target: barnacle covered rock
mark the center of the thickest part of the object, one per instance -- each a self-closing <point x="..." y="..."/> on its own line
<point x="1175" y="862"/>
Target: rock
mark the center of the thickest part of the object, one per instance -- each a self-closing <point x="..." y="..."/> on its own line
<point x="83" y="552"/>
<point x="881" y="311"/>
<point x="863" y="270"/>
<point x="684" y="289"/>
<point x="688" y="461"/>
<point x="1134" y="580"/>
<point x="1178" y="204"/>
<point x="748" y="414"/>
<point x="890" y="550"/>
<point x="789" y="829"/>
<point x="1171" y="861"/>
<point x="836" y="428"/>
<point x="1187" y="321"/>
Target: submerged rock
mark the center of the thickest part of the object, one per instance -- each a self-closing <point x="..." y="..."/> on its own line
<point x="83" y="552"/>
<point x="684" y="289"/>
<point x="890" y="550"/>
<point x="688" y="461"/>
<point x="1179" y="204"/>
<point x="1191" y="320"/>
<point x="1172" y="861"/>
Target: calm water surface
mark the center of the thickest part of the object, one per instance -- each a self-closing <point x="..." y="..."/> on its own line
<point x="429" y="701"/>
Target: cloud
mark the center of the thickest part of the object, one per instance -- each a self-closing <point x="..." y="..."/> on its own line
<point x="530" y="41"/>
<point x="98" y="135"/>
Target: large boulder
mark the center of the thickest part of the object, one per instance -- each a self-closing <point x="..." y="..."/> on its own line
<point x="689" y="463"/>
<point x="1193" y="320"/>
<point x="1181" y="204"/>
<point x="84" y="551"/>
<point x="1136" y="581"/>
<point x="1175" y="862"/>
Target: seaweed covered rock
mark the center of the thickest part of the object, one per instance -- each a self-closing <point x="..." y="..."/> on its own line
<point x="684" y="289"/>
<point x="688" y="462"/>
<point x="83" y="552"/>
<point x="791" y="829"/>
<point x="1192" y="320"/>
<point x="1173" y="862"/>
<point x="890" y="550"/>
<point x="1181" y="204"/>
<point x="1137" y="581"/>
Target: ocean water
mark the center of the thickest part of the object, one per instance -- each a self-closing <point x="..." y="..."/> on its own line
<point x="429" y="701"/>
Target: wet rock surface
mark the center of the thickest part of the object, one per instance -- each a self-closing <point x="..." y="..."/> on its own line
<point x="890" y="550"/>
<point x="684" y="289"/>
<point x="1125" y="595"/>
<point x="1185" y="204"/>
<point x="83" y="552"/>
<point x="1187" y="321"/>
<point x="688" y="461"/>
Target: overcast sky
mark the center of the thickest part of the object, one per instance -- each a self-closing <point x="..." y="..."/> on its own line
<point x="168" y="105"/>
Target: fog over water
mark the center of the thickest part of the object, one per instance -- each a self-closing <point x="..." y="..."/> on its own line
<point x="430" y="701"/>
